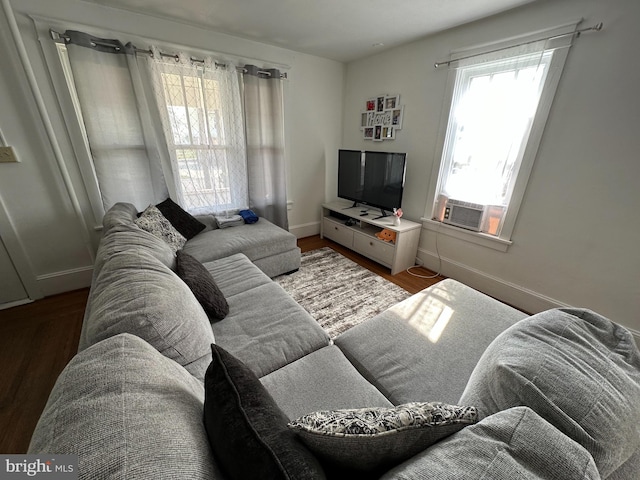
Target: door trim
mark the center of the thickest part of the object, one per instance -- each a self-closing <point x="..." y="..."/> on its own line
<point x="18" y="255"/>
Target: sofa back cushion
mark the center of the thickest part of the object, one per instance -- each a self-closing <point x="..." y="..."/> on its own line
<point x="135" y="293"/>
<point x="127" y="412"/>
<point x="577" y="370"/>
<point x="120" y="214"/>
<point x="125" y="237"/>
<point x="120" y="233"/>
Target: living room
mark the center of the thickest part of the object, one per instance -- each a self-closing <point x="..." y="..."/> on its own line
<point x="573" y="242"/>
<point x="575" y="237"/>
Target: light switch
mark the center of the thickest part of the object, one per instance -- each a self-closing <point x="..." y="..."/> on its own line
<point x="7" y="155"/>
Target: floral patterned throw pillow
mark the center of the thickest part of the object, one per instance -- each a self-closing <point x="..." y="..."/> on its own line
<point x="154" y="222"/>
<point x="374" y="439"/>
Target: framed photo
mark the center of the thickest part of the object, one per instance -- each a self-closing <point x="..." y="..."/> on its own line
<point x="388" y="133"/>
<point x="377" y="134"/>
<point x="380" y="103"/>
<point x="396" y="117"/>
<point x="371" y="104"/>
<point x="391" y="102"/>
<point x="368" y="133"/>
<point x="363" y="120"/>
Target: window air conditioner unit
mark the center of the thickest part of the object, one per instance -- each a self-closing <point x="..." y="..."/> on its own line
<point x="464" y="214"/>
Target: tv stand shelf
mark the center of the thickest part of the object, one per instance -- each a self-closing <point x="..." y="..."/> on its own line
<point x="361" y="238"/>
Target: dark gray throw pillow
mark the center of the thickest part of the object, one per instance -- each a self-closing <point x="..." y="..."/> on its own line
<point x="247" y="431"/>
<point x="182" y="221"/>
<point x="203" y="286"/>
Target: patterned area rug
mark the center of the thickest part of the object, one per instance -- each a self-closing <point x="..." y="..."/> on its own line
<point x="337" y="292"/>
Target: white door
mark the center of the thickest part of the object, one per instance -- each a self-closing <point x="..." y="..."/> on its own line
<point x="11" y="288"/>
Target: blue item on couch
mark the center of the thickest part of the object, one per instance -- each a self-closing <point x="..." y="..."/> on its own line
<point x="249" y="216"/>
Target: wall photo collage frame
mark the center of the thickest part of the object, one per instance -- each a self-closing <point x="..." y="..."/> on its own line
<point x="381" y="118"/>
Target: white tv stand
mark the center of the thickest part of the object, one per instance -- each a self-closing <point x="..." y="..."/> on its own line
<point x="361" y="238"/>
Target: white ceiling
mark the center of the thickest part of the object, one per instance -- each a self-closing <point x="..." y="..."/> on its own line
<point x="342" y="30"/>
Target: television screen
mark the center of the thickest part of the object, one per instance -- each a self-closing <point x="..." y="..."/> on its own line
<point x="350" y="174"/>
<point x="384" y="179"/>
<point x="371" y="178"/>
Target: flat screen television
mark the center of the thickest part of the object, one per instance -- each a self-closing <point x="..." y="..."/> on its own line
<point x="369" y="178"/>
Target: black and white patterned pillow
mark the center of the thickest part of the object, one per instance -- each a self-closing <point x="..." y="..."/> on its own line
<point x="154" y="222"/>
<point x="374" y="439"/>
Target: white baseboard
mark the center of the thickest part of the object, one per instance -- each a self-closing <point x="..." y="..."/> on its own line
<point x="65" y="280"/>
<point x="305" y="229"/>
<point x="17" y="303"/>
<point x="507" y="292"/>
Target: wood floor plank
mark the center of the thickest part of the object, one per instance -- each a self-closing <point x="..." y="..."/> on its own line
<point x="37" y="340"/>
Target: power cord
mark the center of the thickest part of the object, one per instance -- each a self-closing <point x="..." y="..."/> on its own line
<point x="439" y="261"/>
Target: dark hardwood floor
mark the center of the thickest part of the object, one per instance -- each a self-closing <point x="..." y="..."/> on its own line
<point x="37" y="340"/>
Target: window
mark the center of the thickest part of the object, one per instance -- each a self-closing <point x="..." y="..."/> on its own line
<point x="499" y="105"/>
<point x="205" y="142"/>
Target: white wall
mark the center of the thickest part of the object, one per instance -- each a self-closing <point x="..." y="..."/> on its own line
<point x="576" y="241"/>
<point x="33" y="193"/>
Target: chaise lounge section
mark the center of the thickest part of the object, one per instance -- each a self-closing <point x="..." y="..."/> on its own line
<point x="272" y="249"/>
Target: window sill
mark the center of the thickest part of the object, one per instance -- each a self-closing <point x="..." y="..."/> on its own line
<point x="482" y="239"/>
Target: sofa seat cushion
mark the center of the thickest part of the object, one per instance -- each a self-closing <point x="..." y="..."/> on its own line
<point x="513" y="444"/>
<point x="135" y="293"/>
<point x="577" y="370"/>
<point x="425" y="347"/>
<point x="266" y="329"/>
<point x="322" y="380"/>
<point x="127" y="412"/>
<point x="256" y="241"/>
<point x="236" y="274"/>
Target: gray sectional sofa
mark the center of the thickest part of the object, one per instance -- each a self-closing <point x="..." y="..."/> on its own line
<point x="557" y="394"/>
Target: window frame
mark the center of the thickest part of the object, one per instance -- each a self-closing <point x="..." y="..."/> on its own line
<point x="504" y="240"/>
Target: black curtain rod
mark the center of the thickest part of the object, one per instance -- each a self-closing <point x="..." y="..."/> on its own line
<point x="66" y="39"/>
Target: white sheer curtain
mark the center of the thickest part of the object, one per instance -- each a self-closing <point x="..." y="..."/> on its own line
<point x="264" y="118"/>
<point x="125" y="152"/>
<point x="201" y="111"/>
<point x="493" y="108"/>
<point x="164" y="125"/>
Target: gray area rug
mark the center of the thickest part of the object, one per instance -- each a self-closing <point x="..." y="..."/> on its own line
<point x="337" y="292"/>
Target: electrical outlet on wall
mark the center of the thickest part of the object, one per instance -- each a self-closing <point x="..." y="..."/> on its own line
<point x="7" y="155"/>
